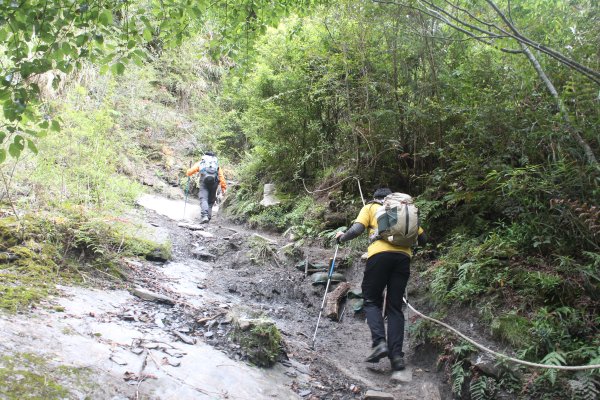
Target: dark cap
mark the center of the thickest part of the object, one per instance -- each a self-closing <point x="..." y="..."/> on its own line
<point x="381" y="193"/>
<point x="210" y="153"/>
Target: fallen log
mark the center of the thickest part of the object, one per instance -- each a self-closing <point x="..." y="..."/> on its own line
<point x="332" y="303"/>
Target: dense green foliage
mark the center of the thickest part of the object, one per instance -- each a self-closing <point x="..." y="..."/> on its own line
<point x="501" y="166"/>
<point x="44" y="40"/>
<point x="487" y="112"/>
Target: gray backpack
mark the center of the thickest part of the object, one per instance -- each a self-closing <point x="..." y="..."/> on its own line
<point x="397" y="220"/>
<point x="209" y="165"/>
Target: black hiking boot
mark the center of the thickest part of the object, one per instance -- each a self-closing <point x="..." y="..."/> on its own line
<point x="397" y="363"/>
<point x="378" y="353"/>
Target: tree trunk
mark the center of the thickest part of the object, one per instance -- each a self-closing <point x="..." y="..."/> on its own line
<point x="332" y="304"/>
<point x="589" y="154"/>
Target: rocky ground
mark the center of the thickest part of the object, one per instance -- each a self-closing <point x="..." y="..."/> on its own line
<point x="169" y="333"/>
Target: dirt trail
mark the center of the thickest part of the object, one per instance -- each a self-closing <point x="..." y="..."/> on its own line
<point x="130" y="348"/>
<point x="282" y="293"/>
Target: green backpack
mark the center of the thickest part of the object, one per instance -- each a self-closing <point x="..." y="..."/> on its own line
<point x="397" y="220"/>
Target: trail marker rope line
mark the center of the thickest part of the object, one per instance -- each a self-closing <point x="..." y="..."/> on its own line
<point x="334" y="185"/>
<point x="499" y="355"/>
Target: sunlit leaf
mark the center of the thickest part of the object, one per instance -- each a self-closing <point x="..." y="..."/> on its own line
<point x="106" y="17"/>
<point x="31" y="146"/>
<point x="14" y="150"/>
<point x="55" y="126"/>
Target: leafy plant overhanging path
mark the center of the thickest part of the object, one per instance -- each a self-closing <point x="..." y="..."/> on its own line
<point x="45" y="41"/>
<point x="554" y="359"/>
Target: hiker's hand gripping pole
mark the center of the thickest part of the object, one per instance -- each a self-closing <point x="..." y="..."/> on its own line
<point x="325" y="296"/>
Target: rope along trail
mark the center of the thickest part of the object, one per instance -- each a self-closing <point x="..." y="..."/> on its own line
<point x="499" y="355"/>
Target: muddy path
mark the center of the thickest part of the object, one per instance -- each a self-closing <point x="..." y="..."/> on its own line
<point x="276" y="289"/>
<point x="167" y="334"/>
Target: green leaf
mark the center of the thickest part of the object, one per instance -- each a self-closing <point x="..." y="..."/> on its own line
<point x="55" y="126"/>
<point x="2" y="136"/>
<point x="118" y="68"/>
<point x="14" y="150"/>
<point x="2" y="155"/>
<point x="19" y="141"/>
<point x="147" y="35"/>
<point x="31" y="146"/>
<point x="106" y="17"/>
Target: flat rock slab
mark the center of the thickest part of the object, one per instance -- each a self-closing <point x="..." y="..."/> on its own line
<point x="203" y="255"/>
<point x="151" y="296"/>
<point x="403" y="376"/>
<point x="185" y="338"/>
<point x="192" y="227"/>
<point x="376" y="395"/>
<point x="430" y="392"/>
<point x="204" y="234"/>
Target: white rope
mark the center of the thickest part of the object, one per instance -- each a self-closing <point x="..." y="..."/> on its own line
<point x="334" y="185"/>
<point x="499" y="355"/>
<point x="322" y="190"/>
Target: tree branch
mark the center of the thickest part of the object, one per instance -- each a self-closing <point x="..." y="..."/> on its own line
<point x="590" y="73"/>
<point x="435" y="11"/>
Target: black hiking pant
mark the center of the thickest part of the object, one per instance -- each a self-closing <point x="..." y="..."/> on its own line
<point x="208" y="194"/>
<point x="391" y="270"/>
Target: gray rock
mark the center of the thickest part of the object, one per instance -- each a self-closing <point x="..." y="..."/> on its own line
<point x="151" y="296"/>
<point x="244" y="324"/>
<point x="403" y="376"/>
<point x="376" y="395"/>
<point x="269" y="197"/>
<point x="203" y="255"/>
<point x="192" y="227"/>
<point x="205" y="235"/>
<point x="158" y="254"/>
<point x="485" y="364"/>
<point x="184" y="338"/>
<point x="429" y="392"/>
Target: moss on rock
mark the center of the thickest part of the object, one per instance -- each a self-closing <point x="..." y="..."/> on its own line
<point x="8" y="233"/>
<point x="511" y="328"/>
<point x="25" y="376"/>
<point x="259" y="339"/>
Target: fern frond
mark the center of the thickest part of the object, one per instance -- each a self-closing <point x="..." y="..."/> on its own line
<point x="584" y="387"/>
<point x="458" y="377"/>
<point x="477" y="389"/>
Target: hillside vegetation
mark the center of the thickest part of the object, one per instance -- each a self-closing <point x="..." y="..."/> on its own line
<point x="488" y="113"/>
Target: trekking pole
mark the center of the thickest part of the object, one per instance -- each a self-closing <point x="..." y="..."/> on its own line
<point x="187" y="186"/>
<point x="407" y="328"/>
<point x="325" y="296"/>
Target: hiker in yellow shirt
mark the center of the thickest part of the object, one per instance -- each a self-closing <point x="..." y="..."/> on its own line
<point x="388" y="266"/>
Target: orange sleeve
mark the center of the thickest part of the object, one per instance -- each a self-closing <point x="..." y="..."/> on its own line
<point x="194" y="169"/>
<point x="222" y="180"/>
